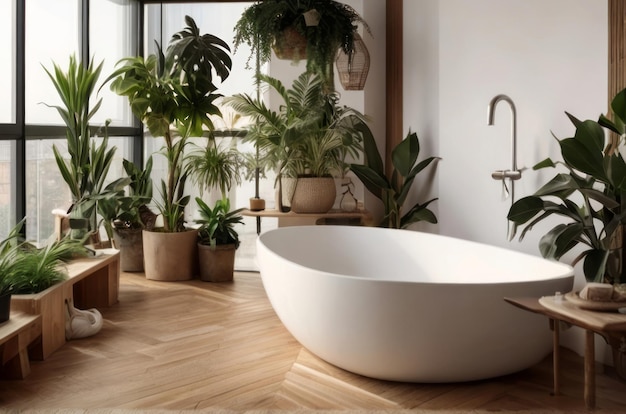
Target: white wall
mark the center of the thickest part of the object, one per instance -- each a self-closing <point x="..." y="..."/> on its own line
<point x="549" y="56"/>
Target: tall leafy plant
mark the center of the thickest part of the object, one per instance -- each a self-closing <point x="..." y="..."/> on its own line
<point x="590" y="196"/>
<point x="311" y="133"/>
<point x="174" y="95"/>
<point x="85" y="172"/>
<point x="394" y="190"/>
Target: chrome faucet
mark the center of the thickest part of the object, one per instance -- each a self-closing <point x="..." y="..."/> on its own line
<point x="513" y="173"/>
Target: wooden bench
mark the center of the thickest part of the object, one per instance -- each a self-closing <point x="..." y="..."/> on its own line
<point x="92" y="283"/>
<point x="16" y="335"/>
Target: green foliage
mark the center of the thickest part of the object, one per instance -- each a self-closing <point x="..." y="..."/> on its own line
<point x="86" y="170"/>
<point x="26" y="269"/>
<point x="218" y="223"/>
<point x="393" y="192"/>
<point x="590" y="196"/>
<point x="125" y="209"/>
<point x="311" y="134"/>
<point x="261" y="26"/>
<point x="173" y="94"/>
<point x="215" y="166"/>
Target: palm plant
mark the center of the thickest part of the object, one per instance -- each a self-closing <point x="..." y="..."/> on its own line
<point x="86" y="171"/>
<point x="590" y="196"/>
<point x="173" y="94"/>
<point x="311" y="134"/>
<point x="393" y="191"/>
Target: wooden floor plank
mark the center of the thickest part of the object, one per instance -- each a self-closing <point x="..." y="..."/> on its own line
<point x="197" y="345"/>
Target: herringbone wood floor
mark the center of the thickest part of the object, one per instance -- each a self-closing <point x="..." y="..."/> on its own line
<point x="195" y="345"/>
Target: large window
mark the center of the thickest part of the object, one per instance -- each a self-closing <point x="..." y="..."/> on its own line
<point x="105" y="30"/>
<point x="7" y="62"/>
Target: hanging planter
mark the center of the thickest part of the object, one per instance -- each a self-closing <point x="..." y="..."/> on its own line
<point x="353" y="67"/>
<point x="327" y="26"/>
<point x="290" y="45"/>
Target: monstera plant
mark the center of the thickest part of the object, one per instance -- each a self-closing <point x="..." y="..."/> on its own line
<point x="590" y="196"/>
<point x="173" y="93"/>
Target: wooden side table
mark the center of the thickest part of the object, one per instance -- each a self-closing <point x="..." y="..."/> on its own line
<point x="610" y="325"/>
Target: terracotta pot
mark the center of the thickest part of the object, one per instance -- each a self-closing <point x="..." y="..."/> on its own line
<point x="170" y="256"/>
<point x="313" y="195"/>
<point x="5" y="307"/>
<point x="217" y="265"/>
<point x="257" y="204"/>
<point x="130" y="244"/>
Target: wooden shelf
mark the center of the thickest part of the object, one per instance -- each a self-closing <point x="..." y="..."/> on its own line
<point x="359" y="217"/>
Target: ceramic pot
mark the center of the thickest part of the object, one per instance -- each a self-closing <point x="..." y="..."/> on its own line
<point x="170" y="256"/>
<point x="130" y="244"/>
<point x="216" y="265"/>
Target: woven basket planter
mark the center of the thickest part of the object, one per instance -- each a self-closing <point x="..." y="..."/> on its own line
<point x="313" y="195"/>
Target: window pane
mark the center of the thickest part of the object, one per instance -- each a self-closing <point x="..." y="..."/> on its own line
<point x="7" y="62"/>
<point x="45" y="188"/>
<point x="7" y="212"/>
<point x="112" y="37"/>
<point x="52" y="33"/>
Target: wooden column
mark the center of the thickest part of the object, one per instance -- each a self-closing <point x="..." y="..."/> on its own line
<point x="394" y="78"/>
<point x="617" y="47"/>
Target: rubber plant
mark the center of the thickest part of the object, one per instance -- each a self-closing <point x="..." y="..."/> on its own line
<point x="394" y="190"/>
<point x="590" y="195"/>
<point x="173" y="93"/>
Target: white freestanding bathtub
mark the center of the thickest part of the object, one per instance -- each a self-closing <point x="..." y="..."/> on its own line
<point x="408" y="306"/>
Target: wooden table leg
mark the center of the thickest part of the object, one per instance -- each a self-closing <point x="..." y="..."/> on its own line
<point x="556" y="358"/>
<point x="590" y="374"/>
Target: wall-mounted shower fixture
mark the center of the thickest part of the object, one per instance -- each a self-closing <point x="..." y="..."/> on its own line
<point x="512" y="174"/>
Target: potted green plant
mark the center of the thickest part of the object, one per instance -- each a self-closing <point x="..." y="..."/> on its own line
<point x="300" y="29"/>
<point x="309" y="138"/>
<point x="9" y="248"/>
<point x="215" y="165"/>
<point x="25" y="269"/>
<point x="86" y="170"/>
<point x="394" y="191"/>
<point x="127" y="214"/>
<point x="173" y="93"/>
<point x="218" y="240"/>
<point x="590" y="196"/>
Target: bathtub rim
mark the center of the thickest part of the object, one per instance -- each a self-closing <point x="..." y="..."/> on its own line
<point x="569" y="274"/>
